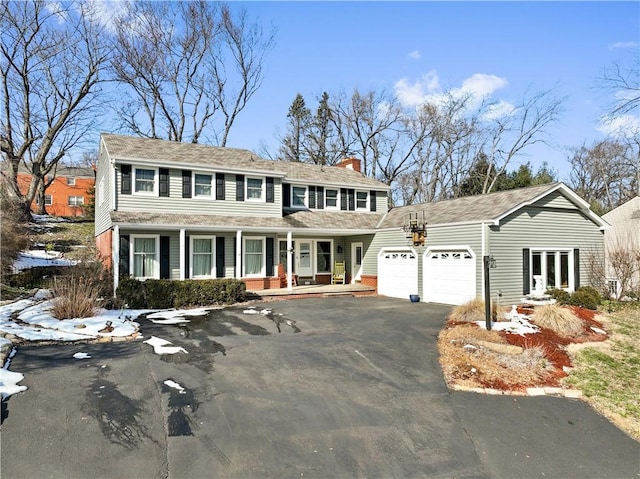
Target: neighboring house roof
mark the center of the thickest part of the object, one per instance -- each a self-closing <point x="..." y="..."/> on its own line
<point x="630" y="209"/>
<point x="489" y="208"/>
<point x="326" y="222"/>
<point x="62" y="170"/>
<point x="189" y="155"/>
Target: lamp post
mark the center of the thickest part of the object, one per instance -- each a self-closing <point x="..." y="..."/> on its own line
<point x="489" y="262"/>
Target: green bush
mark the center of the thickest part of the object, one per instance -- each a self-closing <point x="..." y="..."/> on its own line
<point x="163" y="294"/>
<point x="586" y="297"/>
<point x="560" y="295"/>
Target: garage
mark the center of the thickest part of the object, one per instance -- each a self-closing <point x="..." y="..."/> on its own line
<point x="449" y="275"/>
<point x="397" y="273"/>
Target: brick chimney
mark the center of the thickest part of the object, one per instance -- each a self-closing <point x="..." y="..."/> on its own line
<point x="350" y="163"/>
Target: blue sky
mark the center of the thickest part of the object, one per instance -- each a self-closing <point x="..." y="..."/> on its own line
<point x="423" y="48"/>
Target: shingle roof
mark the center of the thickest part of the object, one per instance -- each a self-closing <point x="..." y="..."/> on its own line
<point x="469" y="209"/>
<point x="132" y="148"/>
<point x="312" y="220"/>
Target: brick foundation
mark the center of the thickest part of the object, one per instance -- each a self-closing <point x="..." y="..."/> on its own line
<point x="256" y="284"/>
<point x="104" y="247"/>
<point x="369" y="280"/>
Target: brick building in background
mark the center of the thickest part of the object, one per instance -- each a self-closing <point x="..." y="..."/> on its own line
<point x="68" y="195"/>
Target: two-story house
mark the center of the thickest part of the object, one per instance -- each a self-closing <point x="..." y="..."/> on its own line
<point x="178" y="210"/>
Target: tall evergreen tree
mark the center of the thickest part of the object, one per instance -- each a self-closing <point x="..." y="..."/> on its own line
<point x="293" y="143"/>
<point x="320" y="134"/>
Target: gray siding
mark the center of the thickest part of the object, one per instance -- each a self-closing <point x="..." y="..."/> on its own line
<point x="177" y="204"/>
<point x="103" y="207"/>
<point x="555" y="200"/>
<point x="535" y="227"/>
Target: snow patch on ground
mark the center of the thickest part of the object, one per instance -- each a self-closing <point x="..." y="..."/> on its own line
<point x="39" y="257"/>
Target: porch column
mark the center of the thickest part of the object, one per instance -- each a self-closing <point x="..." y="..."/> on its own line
<point x="239" y="254"/>
<point x="115" y="256"/>
<point x="289" y="260"/>
<point x="182" y="249"/>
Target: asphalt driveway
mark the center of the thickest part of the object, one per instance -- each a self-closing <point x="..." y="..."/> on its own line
<point x="339" y="387"/>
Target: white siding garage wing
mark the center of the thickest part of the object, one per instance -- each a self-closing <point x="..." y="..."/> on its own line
<point x="397" y="273"/>
<point x="449" y="275"/>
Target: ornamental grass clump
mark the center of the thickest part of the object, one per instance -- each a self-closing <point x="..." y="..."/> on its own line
<point x="75" y="297"/>
<point x="558" y="319"/>
<point x="471" y="311"/>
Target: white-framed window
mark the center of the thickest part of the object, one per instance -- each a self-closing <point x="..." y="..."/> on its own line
<point x="48" y="200"/>
<point x="75" y="200"/>
<point x="552" y="269"/>
<point x="362" y="200"/>
<point x="331" y="199"/>
<point x="144" y="256"/>
<point x="202" y="185"/>
<point x="71" y="181"/>
<point x="255" y="189"/>
<point x="101" y="192"/>
<point x="202" y="257"/>
<point x="253" y="264"/>
<point x="145" y="181"/>
<point x="613" y="287"/>
<point x="298" y="196"/>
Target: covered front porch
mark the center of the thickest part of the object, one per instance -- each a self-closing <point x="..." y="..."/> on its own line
<point x="313" y="290"/>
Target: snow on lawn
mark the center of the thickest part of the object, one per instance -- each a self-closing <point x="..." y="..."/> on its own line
<point x="39" y="257"/>
<point x="519" y="324"/>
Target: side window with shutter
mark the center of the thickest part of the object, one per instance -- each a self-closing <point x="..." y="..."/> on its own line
<point x="186" y="183"/>
<point x="270" y="197"/>
<point x="372" y="201"/>
<point x="220" y="186"/>
<point x="164" y="182"/>
<point x="239" y="187"/>
<point x="125" y="185"/>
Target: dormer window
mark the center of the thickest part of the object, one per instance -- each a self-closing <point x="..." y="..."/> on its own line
<point x="255" y="189"/>
<point x="145" y="181"/>
<point x="362" y="200"/>
<point x="298" y="197"/>
<point x="202" y="185"/>
<point x="331" y="199"/>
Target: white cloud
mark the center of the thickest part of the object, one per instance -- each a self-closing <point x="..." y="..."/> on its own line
<point x="104" y="12"/>
<point x="620" y="126"/>
<point x="499" y="109"/>
<point x="483" y="85"/>
<point x="415" y="54"/>
<point x="617" y="45"/>
<point x="416" y="93"/>
<point x="55" y="8"/>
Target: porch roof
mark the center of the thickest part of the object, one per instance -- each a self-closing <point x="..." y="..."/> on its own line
<point x="307" y="221"/>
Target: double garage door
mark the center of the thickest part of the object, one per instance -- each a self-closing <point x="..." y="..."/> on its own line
<point x="448" y="275"/>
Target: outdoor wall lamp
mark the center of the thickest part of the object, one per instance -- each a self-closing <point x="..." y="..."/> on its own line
<point x="339" y="249"/>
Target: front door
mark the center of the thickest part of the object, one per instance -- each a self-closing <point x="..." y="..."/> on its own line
<point x="304" y="263"/>
<point x="356" y="262"/>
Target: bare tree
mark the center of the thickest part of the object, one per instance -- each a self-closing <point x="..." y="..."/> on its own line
<point x="625" y="83"/>
<point x="192" y="67"/>
<point x="53" y="59"/>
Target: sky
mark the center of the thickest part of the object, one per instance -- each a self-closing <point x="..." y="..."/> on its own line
<point x="420" y="49"/>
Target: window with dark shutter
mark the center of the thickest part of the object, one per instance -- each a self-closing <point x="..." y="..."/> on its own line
<point x="164" y="182"/>
<point x="125" y="186"/>
<point x="372" y="201"/>
<point x="239" y="187"/>
<point x="270" y="193"/>
<point x="219" y="186"/>
<point x="312" y="196"/>
<point x="343" y="198"/>
<point x="186" y="183"/>
<point x="526" y="271"/>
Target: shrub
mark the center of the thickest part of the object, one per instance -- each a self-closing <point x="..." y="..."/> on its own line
<point x="472" y="311"/>
<point x="163" y="294"/>
<point x="13" y="234"/>
<point x="560" y="295"/>
<point x="75" y="297"/>
<point x="558" y="319"/>
<point x="586" y="297"/>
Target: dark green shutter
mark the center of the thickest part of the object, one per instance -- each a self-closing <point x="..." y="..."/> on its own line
<point x="312" y="196"/>
<point x="164" y="182"/>
<point x="269" y="256"/>
<point x="219" y="186"/>
<point x="286" y="195"/>
<point x="125" y="186"/>
<point x="526" y="271"/>
<point x="164" y="257"/>
<point x="187" y="253"/>
<point x="220" y="257"/>
<point x="372" y="201"/>
<point x="320" y="202"/>
<point x="352" y="199"/>
<point x="270" y="192"/>
<point x="123" y="258"/>
<point x="239" y="187"/>
<point x="576" y="267"/>
<point x="343" y="198"/>
<point x="186" y="183"/>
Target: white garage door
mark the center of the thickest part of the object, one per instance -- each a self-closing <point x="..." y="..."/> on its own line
<point x="449" y="276"/>
<point x="397" y="273"/>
